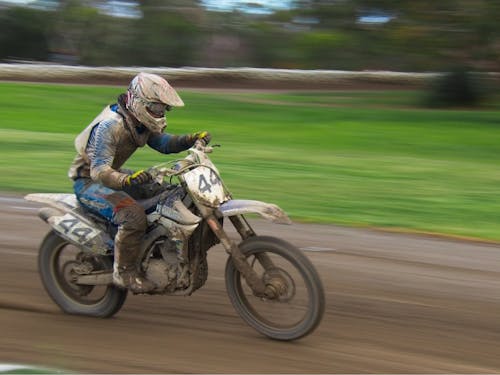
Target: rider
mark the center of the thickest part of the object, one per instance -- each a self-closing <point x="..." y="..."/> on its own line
<point x="103" y="147"/>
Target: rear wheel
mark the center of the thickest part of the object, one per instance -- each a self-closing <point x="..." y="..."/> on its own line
<point x="59" y="264"/>
<point x="297" y="303"/>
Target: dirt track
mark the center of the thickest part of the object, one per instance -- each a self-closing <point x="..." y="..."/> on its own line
<point x="395" y="304"/>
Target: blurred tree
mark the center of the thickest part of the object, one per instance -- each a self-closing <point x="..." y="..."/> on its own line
<point x="441" y="34"/>
<point x="168" y="34"/>
<point x="73" y="29"/>
<point x="311" y="34"/>
<point x="24" y="33"/>
<point x="415" y="35"/>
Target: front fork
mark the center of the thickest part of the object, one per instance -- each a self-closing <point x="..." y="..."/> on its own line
<point x="246" y="231"/>
<point x="255" y="282"/>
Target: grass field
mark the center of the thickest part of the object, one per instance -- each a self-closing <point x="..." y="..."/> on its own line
<point x="369" y="158"/>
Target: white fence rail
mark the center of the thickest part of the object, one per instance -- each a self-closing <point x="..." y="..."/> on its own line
<point x="50" y="72"/>
<point x="62" y="72"/>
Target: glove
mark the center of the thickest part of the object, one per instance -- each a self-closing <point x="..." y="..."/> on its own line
<point x="201" y="135"/>
<point x="138" y="178"/>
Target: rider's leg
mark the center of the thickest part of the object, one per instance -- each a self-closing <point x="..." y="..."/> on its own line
<point x="120" y="209"/>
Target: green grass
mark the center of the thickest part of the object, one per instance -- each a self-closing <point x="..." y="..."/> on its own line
<point x="371" y="158"/>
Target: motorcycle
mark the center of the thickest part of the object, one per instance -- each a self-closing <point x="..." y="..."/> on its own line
<point x="270" y="283"/>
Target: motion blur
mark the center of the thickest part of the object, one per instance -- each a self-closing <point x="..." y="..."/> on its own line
<point x="298" y="34"/>
<point x="373" y="124"/>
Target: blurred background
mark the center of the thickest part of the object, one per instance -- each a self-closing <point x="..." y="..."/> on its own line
<point x="363" y="113"/>
<point x="295" y="34"/>
<point x="387" y="112"/>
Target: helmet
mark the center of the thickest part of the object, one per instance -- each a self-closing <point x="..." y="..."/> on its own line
<point x="148" y="97"/>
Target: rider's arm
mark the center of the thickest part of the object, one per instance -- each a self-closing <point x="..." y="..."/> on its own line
<point x="169" y="143"/>
<point x="104" y="142"/>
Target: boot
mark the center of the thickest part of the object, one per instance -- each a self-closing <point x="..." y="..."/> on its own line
<point x="126" y="272"/>
<point x="132" y="226"/>
<point x="132" y="280"/>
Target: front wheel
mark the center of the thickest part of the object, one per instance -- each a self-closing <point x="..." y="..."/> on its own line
<point x="59" y="264"/>
<point x="297" y="304"/>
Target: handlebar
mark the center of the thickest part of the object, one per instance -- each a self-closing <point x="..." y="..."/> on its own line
<point x="200" y="145"/>
<point x="175" y="167"/>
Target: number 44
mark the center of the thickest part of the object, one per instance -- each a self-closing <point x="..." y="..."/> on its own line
<point x="206" y="186"/>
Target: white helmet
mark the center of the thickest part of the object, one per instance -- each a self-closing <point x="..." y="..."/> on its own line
<point x="148" y="97"/>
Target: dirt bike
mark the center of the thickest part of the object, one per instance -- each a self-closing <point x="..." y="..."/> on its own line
<point x="271" y="284"/>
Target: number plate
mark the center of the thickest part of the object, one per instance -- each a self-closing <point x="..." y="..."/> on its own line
<point x="74" y="229"/>
<point x="205" y="185"/>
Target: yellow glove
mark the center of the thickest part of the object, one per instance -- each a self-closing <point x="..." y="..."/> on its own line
<point x="138" y="178"/>
<point x="201" y="135"/>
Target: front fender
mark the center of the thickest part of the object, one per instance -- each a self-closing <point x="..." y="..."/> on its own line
<point x="268" y="211"/>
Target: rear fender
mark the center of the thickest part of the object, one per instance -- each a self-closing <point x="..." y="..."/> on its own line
<point x="63" y="202"/>
<point x="63" y="217"/>
<point x="268" y="211"/>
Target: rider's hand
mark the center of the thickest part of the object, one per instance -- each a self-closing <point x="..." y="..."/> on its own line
<point x="138" y="178"/>
<point x="201" y="135"/>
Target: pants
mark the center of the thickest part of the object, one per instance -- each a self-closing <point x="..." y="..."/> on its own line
<point x="120" y="209"/>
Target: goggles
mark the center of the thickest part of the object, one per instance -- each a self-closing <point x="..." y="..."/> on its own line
<point x="158" y="109"/>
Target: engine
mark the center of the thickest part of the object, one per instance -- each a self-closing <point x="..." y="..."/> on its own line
<point x="171" y="272"/>
<point x="165" y="268"/>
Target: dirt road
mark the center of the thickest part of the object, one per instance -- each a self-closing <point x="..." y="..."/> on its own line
<point x="395" y="304"/>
